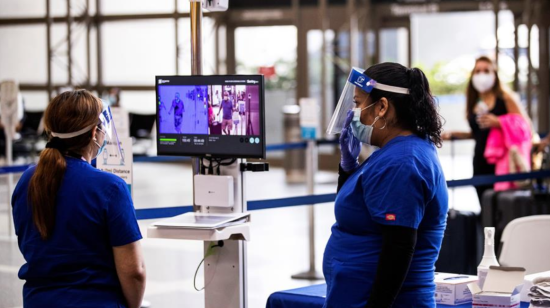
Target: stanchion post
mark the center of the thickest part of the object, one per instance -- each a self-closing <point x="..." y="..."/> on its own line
<point x="235" y="250"/>
<point x="311" y="169"/>
<point x="196" y="58"/>
<point x="8" y="108"/>
<point x="9" y="160"/>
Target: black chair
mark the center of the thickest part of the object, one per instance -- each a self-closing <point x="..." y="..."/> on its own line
<point x="30" y="134"/>
<point x="141" y="125"/>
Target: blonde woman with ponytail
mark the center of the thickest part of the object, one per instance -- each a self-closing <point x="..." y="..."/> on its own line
<point x="76" y="225"/>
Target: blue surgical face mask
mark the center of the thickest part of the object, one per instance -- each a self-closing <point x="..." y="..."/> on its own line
<point x="112" y="100"/>
<point x="359" y="130"/>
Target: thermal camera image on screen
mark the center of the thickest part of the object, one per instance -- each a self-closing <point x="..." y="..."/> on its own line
<point x="211" y="116"/>
<point x="234" y="110"/>
<point x="183" y="109"/>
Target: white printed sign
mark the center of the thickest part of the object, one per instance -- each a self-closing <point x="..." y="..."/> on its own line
<point x="122" y="122"/>
<point x="120" y="166"/>
<point x="309" y="118"/>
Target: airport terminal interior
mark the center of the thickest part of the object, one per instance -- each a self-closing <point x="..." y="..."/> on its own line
<point x="221" y="108"/>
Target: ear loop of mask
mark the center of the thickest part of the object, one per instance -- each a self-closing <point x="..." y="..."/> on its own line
<point x="95" y="139"/>
<point x="377" y="117"/>
<point x="366" y="108"/>
<point x="359" y="113"/>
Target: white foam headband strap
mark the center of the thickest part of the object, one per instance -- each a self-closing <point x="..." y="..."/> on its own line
<point x="383" y="87"/>
<point x="74" y="134"/>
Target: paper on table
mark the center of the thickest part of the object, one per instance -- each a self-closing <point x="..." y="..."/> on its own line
<point x="201" y="221"/>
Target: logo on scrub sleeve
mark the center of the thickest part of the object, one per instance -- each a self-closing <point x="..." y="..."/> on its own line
<point x="390" y="217"/>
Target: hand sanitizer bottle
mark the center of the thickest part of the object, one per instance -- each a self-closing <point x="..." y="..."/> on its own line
<point x="489" y="257"/>
<point x="481" y="108"/>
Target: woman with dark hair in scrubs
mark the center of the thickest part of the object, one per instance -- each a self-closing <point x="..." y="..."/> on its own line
<point x="390" y="210"/>
<point x="76" y="225"/>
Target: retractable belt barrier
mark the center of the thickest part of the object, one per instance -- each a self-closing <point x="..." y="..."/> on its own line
<point x="14" y="169"/>
<point x="326" y="198"/>
<point x="153" y="213"/>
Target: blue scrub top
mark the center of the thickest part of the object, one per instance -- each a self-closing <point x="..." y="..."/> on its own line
<point x="75" y="267"/>
<point x="401" y="184"/>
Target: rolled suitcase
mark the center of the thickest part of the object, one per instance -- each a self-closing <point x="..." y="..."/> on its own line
<point x="514" y="204"/>
<point x="459" y="250"/>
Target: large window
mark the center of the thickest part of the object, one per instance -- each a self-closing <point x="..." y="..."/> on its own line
<point x="23" y="54"/>
<point x="21" y="8"/>
<point x="109" y="7"/>
<point x="135" y="51"/>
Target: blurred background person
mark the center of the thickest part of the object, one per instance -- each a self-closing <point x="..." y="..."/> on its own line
<point x="486" y="100"/>
<point x="114" y="97"/>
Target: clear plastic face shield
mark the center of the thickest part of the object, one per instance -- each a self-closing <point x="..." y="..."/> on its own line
<point x="106" y="138"/>
<point x="359" y="80"/>
<point x="111" y="144"/>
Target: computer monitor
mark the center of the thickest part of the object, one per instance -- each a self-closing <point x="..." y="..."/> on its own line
<point x="211" y="116"/>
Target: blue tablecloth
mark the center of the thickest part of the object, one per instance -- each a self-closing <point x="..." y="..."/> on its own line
<point x="314" y="297"/>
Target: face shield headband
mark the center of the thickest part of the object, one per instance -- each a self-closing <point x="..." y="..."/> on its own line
<point x="346" y="102"/>
<point x="111" y="143"/>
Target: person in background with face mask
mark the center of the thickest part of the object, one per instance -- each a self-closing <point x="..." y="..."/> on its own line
<point x="114" y="97"/>
<point x="76" y="225"/>
<point x="391" y="209"/>
<point x="486" y="100"/>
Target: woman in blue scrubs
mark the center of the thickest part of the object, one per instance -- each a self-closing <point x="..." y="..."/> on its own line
<point x="390" y="210"/>
<point x="76" y="225"/>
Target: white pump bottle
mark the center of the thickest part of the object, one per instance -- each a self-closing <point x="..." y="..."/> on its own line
<point x="489" y="257"/>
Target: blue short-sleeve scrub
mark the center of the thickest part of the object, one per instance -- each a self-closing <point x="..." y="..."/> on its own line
<point x="75" y="267"/>
<point x="401" y="184"/>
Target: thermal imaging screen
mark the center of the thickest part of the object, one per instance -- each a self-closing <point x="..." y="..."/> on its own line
<point x="220" y="116"/>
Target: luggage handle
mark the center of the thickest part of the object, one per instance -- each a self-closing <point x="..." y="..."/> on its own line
<point x="452" y="211"/>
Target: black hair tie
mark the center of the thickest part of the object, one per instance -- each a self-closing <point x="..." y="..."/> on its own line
<point x="56" y="143"/>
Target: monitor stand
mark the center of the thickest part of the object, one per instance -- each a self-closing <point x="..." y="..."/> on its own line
<point x="225" y="268"/>
<point x="225" y="272"/>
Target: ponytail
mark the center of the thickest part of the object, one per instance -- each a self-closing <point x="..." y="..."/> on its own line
<point x="423" y="107"/>
<point x="416" y="111"/>
<point x="43" y="188"/>
<point x="68" y="112"/>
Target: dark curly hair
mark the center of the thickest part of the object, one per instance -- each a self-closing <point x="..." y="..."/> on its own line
<point x="416" y="111"/>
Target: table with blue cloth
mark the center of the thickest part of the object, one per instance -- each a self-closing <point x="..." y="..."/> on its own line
<point x="314" y="297"/>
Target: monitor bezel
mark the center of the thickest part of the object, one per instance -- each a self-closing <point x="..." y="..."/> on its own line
<point x="180" y="79"/>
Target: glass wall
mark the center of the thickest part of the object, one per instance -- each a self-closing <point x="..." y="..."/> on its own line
<point x="267" y="47"/>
